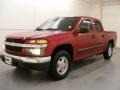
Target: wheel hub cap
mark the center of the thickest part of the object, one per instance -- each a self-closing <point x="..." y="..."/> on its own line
<point x="62" y="65"/>
<point x="110" y="51"/>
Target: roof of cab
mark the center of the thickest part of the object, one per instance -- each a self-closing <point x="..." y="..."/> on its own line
<point x="88" y="17"/>
<point x="84" y="17"/>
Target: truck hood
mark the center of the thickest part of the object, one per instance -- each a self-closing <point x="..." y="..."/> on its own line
<point x="33" y="34"/>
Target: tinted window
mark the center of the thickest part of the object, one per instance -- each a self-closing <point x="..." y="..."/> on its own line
<point x="98" y="27"/>
<point x="59" y="23"/>
<point x="86" y="25"/>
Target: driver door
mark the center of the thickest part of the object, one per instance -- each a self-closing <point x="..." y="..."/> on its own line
<point x="85" y="40"/>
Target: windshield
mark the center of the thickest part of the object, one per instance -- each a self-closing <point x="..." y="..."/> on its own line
<point x="59" y="23"/>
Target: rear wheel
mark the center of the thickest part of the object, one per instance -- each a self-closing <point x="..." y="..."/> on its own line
<point x="109" y="51"/>
<point x="60" y="65"/>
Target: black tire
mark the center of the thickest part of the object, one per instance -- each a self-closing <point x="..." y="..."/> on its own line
<point x="108" y="54"/>
<point x="53" y="70"/>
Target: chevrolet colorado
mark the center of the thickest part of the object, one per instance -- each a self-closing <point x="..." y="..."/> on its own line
<point x="57" y="43"/>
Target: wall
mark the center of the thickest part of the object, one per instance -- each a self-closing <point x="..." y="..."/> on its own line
<point x="25" y="15"/>
<point x="96" y="11"/>
<point x="110" y="17"/>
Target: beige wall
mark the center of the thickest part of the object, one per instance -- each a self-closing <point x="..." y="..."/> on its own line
<point x="96" y="11"/>
<point x="25" y="15"/>
<point x="110" y="16"/>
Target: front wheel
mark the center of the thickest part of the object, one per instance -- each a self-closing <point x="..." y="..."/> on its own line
<point x="109" y="51"/>
<point x="60" y="65"/>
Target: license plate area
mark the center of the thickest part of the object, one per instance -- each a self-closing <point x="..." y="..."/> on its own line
<point x="8" y="60"/>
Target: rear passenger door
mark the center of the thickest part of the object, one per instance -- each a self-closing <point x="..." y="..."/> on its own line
<point x="100" y="36"/>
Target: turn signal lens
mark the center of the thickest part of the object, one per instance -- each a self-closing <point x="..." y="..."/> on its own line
<point x="32" y="41"/>
<point x="42" y="41"/>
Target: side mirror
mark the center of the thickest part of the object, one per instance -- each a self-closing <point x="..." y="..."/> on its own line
<point x="83" y="30"/>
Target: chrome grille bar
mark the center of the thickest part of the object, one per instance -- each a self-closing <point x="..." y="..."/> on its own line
<point x="25" y="45"/>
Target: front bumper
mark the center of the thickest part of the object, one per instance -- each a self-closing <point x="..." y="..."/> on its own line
<point x="34" y="60"/>
<point x="38" y="63"/>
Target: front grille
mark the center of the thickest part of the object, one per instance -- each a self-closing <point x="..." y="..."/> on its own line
<point x="15" y="40"/>
<point x="13" y="48"/>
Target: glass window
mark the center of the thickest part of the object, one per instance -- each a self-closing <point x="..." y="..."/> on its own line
<point x="98" y="27"/>
<point x="86" y="26"/>
<point x="59" y="23"/>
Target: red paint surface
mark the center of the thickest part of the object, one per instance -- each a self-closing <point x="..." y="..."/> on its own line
<point x="78" y="41"/>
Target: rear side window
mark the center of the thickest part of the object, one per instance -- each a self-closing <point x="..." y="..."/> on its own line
<point x="98" y="27"/>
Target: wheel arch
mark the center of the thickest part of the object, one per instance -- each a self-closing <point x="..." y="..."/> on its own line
<point x="112" y="42"/>
<point x="66" y="47"/>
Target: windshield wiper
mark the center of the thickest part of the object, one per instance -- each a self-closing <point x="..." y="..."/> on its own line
<point x="51" y="29"/>
<point x="54" y="29"/>
<point x="39" y="29"/>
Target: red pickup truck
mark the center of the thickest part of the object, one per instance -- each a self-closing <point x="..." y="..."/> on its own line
<point x="57" y="43"/>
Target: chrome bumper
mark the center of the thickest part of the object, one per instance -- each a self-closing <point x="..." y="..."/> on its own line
<point x="34" y="60"/>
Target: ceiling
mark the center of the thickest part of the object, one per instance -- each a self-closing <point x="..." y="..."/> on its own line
<point x="101" y="1"/>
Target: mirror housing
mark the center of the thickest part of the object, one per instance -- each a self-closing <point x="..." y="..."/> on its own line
<point x="83" y="30"/>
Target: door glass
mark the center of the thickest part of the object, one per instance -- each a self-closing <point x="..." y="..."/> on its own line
<point x="85" y="26"/>
<point x="98" y="27"/>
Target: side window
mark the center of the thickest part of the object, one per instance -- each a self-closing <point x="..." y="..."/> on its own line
<point x="85" y="26"/>
<point x="98" y="27"/>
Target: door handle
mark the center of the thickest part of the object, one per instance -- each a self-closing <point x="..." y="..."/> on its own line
<point x="93" y="36"/>
<point x="103" y="35"/>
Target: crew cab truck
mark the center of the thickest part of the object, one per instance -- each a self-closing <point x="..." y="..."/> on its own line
<point x="58" y="42"/>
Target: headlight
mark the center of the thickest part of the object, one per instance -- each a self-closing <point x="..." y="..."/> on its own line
<point x="35" y="51"/>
